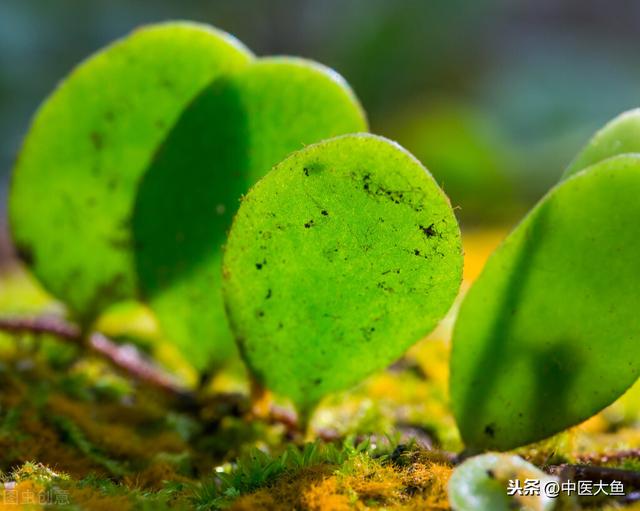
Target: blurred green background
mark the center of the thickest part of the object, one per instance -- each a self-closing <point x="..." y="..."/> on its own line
<point x="495" y="97"/>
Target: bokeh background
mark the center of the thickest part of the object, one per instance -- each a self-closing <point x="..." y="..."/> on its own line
<point x="494" y="96"/>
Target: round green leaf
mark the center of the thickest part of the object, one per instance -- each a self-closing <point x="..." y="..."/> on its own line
<point x="228" y="138"/>
<point x="338" y="260"/>
<point x="549" y="334"/>
<point x="620" y="136"/>
<point x="74" y="184"/>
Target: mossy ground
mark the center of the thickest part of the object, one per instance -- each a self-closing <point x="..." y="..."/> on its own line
<point x="76" y="434"/>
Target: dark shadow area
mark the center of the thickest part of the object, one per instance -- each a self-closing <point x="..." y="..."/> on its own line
<point x="488" y="366"/>
<point x="555" y="370"/>
<point x="191" y="191"/>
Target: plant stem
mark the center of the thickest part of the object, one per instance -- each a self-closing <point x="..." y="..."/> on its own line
<point x="124" y="357"/>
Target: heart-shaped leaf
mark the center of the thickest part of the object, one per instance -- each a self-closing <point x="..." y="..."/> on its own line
<point x="549" y="334"/>
<point x="338" y="260"/>
<point x="620" y="136"/>
<point x="74" y="184"/>
<point x="229" y="137"/>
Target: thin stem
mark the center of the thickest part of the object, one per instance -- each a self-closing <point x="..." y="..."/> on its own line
<point x="128" y="358"/>
<point x="41" y="325"/>
<point x="124" y="357"/>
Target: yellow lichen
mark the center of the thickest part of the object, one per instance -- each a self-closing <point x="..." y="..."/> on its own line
<point x="324" y="495"/>
<point x="361" y="483"/>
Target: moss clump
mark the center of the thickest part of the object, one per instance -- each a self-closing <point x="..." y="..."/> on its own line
<point x="322" y="477"/>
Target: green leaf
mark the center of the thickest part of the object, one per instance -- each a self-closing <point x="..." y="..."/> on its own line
<point x="74" y="185"/>
<point x="481" y="483"/>
<point x="338" y="260"/>
<point x="229" y="137"/>
<point x="549" y="334"/>
<point x="620" y="136"/>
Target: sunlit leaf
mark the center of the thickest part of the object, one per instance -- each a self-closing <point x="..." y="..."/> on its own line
<point x="338" y="260"/>
<point x="229" y="137"/>
<point x="549" y="334"/>
<point x="74" y="184"/>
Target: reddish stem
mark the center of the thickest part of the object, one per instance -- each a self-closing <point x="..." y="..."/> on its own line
<point x="125" y="357"/>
